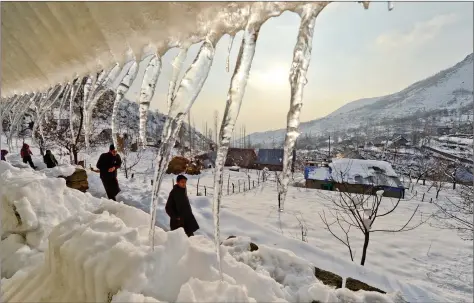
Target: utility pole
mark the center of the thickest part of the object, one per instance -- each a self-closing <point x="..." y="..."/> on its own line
<point x="329" y="155"/>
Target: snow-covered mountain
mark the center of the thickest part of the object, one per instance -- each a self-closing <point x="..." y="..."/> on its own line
<point x="128" y="117"/>
<point x="449" y="89"/>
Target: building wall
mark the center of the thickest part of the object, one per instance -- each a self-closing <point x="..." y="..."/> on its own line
<point x="270" y="167"/>
<point x="354" y="188"/>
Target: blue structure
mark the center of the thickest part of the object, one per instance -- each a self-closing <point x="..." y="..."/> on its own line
<point x="270" y="158"/>
<point x="464" y="176"/>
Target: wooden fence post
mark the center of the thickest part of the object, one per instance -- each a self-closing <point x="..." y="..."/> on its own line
<point x="253" y="182"/>
<point x="422" y="199"/>
<point x="233" y="188"/>
<point x="205" y="190"/>
<point x="197" y="187"/>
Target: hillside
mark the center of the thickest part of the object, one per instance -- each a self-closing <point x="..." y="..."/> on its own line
<point x="450" y="89"/>
<point x="129" y="122"/>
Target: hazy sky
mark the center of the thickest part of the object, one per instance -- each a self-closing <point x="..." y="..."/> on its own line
<point x="356" y="54"/>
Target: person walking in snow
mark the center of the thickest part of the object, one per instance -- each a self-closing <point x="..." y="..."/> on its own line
<point x="25" y="154"/>
<point x="108" y="164"/>
<point x="49" y="159"/>
<point x="179" y="209"/>
<point x="3" y="153"/>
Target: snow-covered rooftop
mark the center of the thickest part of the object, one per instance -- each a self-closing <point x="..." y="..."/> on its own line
<point x="356" y="171"/>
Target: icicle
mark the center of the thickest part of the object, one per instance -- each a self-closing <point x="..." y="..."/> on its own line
<point x="61" y="105"/>
<point x="19" y="113"/>
<point x="390" y="5"/>
<point x="50" y="98"/>
<point x="177" y="65"/>
<point x="129" y="70"/>
<point x="299" y="67"/>
<point x="229" y="49"/>
<point x="15" y="110"/>
<point x="188" y="90"/>
<point x="365" y="4"/>
<point x="147" y="91"/>
<point x="232" y="109"/>
<point x="90" y="99"/>
<point x="74" y="90"/>
<point x="88" y="92"/>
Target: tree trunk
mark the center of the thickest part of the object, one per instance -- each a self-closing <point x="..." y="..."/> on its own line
<point x="74" y="154"/>
<point x="125" y="168"/>
<point x="364" y="249"/>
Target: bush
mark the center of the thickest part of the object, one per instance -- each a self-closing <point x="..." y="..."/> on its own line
<point x="177" y="165"/>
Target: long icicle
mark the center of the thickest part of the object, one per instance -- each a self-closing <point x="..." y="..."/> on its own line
<point x="5" y="106"/>
<point x="99" y="88"/>
<point x="16" y="109"/>
<point x="188" y="90"/>
<point x="130" y="69"/>
<point x="299" y="68"/>
<point x="147" y="91"/>
<point x="177" y="65"/>
<point x="44" y="106"/>
<point x="231" y="113"/>
<point x="20" y="112"/>
<point x="72" y="98"/>
<point x="61" y="105"/>
<point x="229" y="49"/>
<point x="90" y="87"/>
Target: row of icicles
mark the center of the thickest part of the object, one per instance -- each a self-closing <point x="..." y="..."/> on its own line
<point x="180" y="100"/>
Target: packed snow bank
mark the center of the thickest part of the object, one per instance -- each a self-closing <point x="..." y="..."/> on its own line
<point x="32" y="204"/>
<point x="91" y="257"/>
<point x="64" y="170"/>
<point x="97" y="251"/>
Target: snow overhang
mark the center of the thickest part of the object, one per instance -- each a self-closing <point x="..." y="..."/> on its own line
<point x="46" y="43"/>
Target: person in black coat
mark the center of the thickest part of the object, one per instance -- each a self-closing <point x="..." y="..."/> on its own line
<point x="108" y="164"/>
<point x="49" y="159"/>
<point x="179" y="210"/>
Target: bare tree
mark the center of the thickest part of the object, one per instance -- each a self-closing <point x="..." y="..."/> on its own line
<point x="360" y="211"/>
<point x="125" y="147"/>
<point x="456" y="213"/>
<point x="439" y="175"/>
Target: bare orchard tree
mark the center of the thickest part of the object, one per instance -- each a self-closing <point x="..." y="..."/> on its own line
<point x="359" y="211"/>
<point x="440" y="175"/>
<point x="456" y="213"/>
<point x="130" y="151"/>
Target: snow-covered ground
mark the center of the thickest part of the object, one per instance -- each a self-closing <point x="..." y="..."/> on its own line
<point x="425" y="265"/>
<point x="62" y="245"/>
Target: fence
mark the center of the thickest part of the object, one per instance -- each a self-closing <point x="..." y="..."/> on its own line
<point x="232" y="187"/>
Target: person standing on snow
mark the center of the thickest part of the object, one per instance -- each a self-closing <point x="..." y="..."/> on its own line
<point x="3" y="153"/>
<point x="49" y="159"/>
<point x="179" y="209"/>
<point x="25" y="154"/>
<point x="108" y="164"/>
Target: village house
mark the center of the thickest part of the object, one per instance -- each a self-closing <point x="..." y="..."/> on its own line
<point x="208" y="159"/>
<point x="271" y="159"/>
<point x="399" y="141"/>
<point x="355" y="176"/>
<point x="241" y="157"/>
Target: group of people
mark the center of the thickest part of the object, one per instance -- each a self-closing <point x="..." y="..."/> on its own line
<point x="177" y="207"/>
<point x="26" y="153"/>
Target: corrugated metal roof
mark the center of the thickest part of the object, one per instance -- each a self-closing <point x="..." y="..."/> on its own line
<point x="270" y="156"/>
